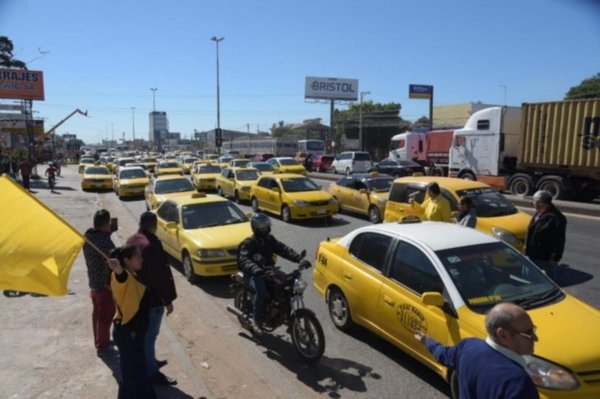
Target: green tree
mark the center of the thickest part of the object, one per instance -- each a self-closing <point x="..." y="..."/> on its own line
<point x="421" y="123"/>
<point x="6" y="55"/>
<point x="281" y="129"/>
<point x="588" y="88"/>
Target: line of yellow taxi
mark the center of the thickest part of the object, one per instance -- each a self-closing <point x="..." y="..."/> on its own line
<point x="130" y="181"/>
<point x="236" y="182"/>
<point x="96" y="177"/>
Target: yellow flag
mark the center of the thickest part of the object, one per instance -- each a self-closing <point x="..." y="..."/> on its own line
<point x="37" y="247"/>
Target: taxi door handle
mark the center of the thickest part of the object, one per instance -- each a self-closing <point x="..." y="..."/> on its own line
<point x="389" y="300"/>
<point x="348" y="275"/>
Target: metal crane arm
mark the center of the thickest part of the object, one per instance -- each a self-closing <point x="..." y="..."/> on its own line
<point x="77" y="111"/>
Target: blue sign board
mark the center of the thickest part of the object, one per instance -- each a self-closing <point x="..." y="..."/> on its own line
<point x="420" y="91"/>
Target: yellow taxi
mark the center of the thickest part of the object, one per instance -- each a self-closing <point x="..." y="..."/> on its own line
<point x="203" y="232"/>
<point x="364" y="193"/>
<point x="224" y="160"/>
<point x="121" y="162"/>
<point x="169" y="167"/>
<point x="96" y="177"/>
<point x="237" y="182"/>
<point x="264" y="168"/>
<point x="187" y="163"/>
<point x="150" y="163"/>
<point x="130" y="182"/>
<point x="163" y="187"/>
<point x="287" y="165"/>
<point x="84" y="163"/>
<point x="238" y="163"/>
<point x="496" y="215"/>
<point x="211" y="157"/>
<point x="292" y="197"/>
<point x="439" y="278"/>
<point x="204" y="176"/>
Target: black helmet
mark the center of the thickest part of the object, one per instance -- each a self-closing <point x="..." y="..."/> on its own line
<point x="261" y="224"/>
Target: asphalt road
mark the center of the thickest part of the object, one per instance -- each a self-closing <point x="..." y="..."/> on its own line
<point x="362" y="364"/>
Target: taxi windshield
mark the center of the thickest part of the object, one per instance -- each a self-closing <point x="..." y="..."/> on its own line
<point x="263" y="167"/>
<point x="249" y="174"/>
<point x="132" y="174"/>
<point x="149" y="160"/>
<point x="173" y="186"/>
<point x="190" y="160"/>
<point x="87" y="160"/>
<point x="209" y="214"/>
<point x="380" y="184"/>
<point x="299" y="184"/>
<point x="488" y="202"/>
<point x="126" y="161"/>
<point x="96" y="170"/>
<point x="486" y="274"/>
<point x="288" y="162"/>
<point x="241" y="162"/>
<point x="210" y="169"/>
<point x="168" y="165"/>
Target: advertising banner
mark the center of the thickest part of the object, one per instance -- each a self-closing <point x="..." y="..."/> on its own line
<point x="331" y="88"/>
<point x="20" y="84"/>
<point x="420" y="91"/>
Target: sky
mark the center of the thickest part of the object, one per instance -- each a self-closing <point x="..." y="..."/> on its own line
<point x="104" y="56"/>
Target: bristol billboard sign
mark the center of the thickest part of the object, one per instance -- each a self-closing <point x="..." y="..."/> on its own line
<point x="331" y="89"/>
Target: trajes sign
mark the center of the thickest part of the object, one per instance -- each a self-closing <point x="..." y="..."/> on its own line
<point x="21" y="84"/>
<point x="420" y="91"/>
<point x="331" y="88"/>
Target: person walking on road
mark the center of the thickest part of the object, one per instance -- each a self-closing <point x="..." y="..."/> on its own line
<point x="435" y="208"/>
<point x="51" y="173"/>
<point x="156" y="274"/>
<point x="546" y="234"/>
<point x="99" y="279"/>
<point x="26" y="174"/>
<point x="467" y="216"/>
<point x="131" y="322"/>
<point x="494" y="368"/>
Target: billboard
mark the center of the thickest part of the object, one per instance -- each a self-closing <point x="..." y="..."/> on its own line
<point x="18" y="125"/>
<point x="420" y="91"/>
<point x="21" y="84"/>
<point x="331" y="88"/>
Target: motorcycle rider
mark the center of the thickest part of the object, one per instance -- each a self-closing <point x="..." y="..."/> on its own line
<point x="255" y="260"/>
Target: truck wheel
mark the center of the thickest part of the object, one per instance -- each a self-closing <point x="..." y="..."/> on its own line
<point x="521" y="185"/>
<point x="556" y="187"/>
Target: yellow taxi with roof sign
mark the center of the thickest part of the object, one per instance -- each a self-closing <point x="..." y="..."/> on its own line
<point x="287" y="165"/>
<point x="168" y="167"/>
<point x="84" y="163"/>
<point x="203" y="231"/>
<point x="187" y="163"/>
<point x="364" y="193"/>
<point x="131" y="181"/>
<point x="163" y="187"/>
<point x="239" y="163"/>
<point x="150" y="163"/>
<point x="440" y="278"/>
<point x="293" y="197"/>
<point x="496" y="215"/>
<point x="237" y="182"/>
<point x="96" y="177"/>
<point x="204" y="176"/>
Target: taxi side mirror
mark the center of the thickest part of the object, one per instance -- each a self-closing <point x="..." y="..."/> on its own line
<point x="171" y="226"/>
<point x="432" y="299"/>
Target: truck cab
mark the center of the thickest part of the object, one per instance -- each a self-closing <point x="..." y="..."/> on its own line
<point x="409" y="146"/>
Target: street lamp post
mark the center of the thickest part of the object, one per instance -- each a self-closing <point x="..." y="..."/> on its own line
<point x="361" y="143"/>
<point x="217" y="40"/>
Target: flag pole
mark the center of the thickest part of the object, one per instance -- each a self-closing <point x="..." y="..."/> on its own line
<point x="97" y="249"/>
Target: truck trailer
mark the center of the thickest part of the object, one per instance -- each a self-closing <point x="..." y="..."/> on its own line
<point x="553" y="146"/>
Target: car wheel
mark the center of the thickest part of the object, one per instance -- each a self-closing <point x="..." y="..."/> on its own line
<point x="219" y="191"/>
<point x="236" y="197"/>
<point x="339" y="310"/>
<point x="286" y="214"/>
<point x="254" y="204"/>
<point x="347" y="171"/>
<point x="188" y="269"/>
<point x="334" y="170"/>
<point x="374" y="215"/>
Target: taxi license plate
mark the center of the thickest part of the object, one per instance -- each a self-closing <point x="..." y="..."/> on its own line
<point x="321" y="211"/>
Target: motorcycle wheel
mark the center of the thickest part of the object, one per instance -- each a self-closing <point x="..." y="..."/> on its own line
<point x="307" y="335"/>
<point x="242" y="302"/>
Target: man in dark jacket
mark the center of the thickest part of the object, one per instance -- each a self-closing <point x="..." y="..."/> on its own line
<point x="156" y="275"/>
<point x="546" y="234"/>
<point x="255" y="259"/>
<point x="99" y="279"/>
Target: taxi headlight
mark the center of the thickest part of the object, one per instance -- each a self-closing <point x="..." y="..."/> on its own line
<point x="299" y="286"/>
<point x="548" y="375"/>
<point x="301" y="204"/>
<point x="505" y="236"/>
<point x="211" y="253"/>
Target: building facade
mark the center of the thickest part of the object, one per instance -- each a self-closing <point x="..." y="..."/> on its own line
<point x="159" y="126"/>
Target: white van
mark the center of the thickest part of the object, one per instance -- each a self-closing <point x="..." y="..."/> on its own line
<point x="352" y="162"/>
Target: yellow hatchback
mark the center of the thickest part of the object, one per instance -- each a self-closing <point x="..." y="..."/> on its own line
<point x="130" y="182"/>
<point x="496" y="215"/>
<point x="203" y="232"/>
<point x="164" y="187"/>
<point x="364" y="193"/>
<point x="292" y="197"/>
<point x="237" y="182"/>
<point x="96" y="177"/>
<point x="439" y="278"/>
<point x="204" y="176"/>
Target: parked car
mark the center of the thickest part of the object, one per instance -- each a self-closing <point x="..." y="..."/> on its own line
<point x="262" y="157"/>
<point x="398" y="168"/>
<point x="351" y="162"/>
<point x="321" y="163"/>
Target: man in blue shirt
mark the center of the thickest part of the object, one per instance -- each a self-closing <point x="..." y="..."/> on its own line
<point x="494" y="368"/>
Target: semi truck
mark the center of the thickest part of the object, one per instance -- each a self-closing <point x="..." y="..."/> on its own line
<point x="430" y="149"/>
<point x="553" y="146"/>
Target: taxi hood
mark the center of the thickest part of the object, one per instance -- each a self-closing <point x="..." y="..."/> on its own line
<point x="138" y="180"/>
<point x="516" y="223"/>
<point x="225" y="236"/>
<point x="318" y="195"/>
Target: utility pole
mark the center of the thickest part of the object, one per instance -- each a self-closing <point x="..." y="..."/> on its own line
<point x="133" y="124"/>
<point x="218" y="134"/>
<point x="361" y="140"/>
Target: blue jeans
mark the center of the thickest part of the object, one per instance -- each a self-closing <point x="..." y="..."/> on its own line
<point x="550" y="268"/>
<point x="259" y="285"/>
<point x="156" y="315"/>
<point x="134" y="382"/>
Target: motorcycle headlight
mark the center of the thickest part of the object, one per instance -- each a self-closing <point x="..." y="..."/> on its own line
<point x="299" y="286"/>
<point x="505" y="236"/>
<point x="301" y="204"/>
<point x="548" y="375"/>
<point x="211" y="253"/>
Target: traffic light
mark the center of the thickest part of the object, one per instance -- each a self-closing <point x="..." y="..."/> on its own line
<point x="218" y="137"/>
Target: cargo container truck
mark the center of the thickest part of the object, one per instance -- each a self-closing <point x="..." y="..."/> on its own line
<point x="553" y="146"/>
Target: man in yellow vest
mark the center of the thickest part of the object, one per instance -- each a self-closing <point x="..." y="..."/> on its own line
<point x="435" y="207"/>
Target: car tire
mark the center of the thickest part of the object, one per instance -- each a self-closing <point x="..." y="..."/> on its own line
<point x="236" y="197"/>
<point x="334" y="170"/>
<point x="219" y="191"/>
<point x="348" y="172"/>
<point x="188" y="269"/>
<point x="339" y="310"/>
<point x="286" y="214"/>
<point x="374" y="214"/>
<point x="254" y="203"/>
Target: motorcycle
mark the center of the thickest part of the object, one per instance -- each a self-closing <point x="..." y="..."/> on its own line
<point x="285" y="305"/>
